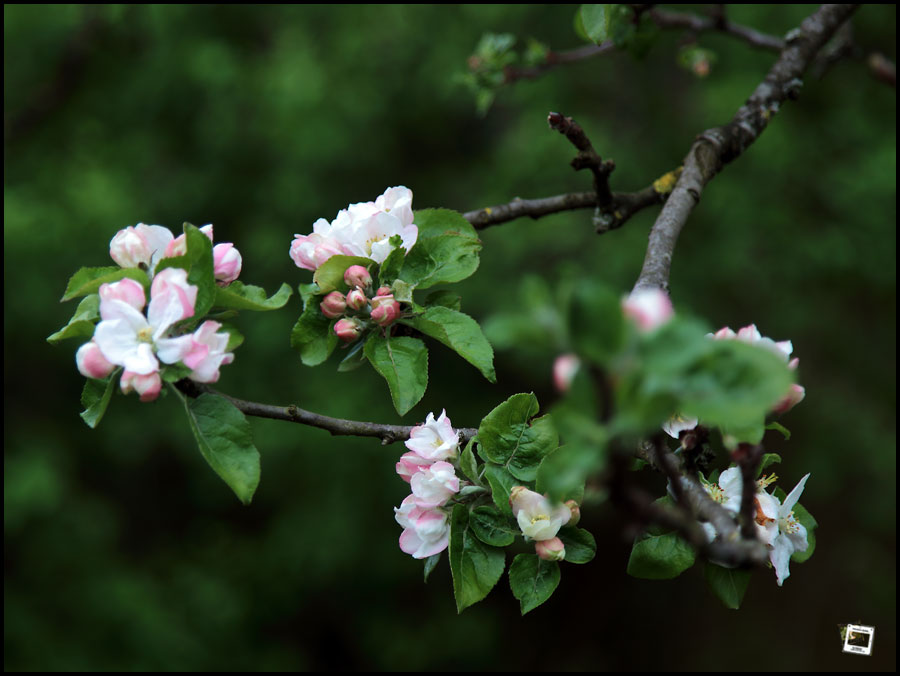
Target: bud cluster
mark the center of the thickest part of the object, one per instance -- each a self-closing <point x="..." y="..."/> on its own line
<point x="540" y="520"/>
<point x="433" y="480"/>
<point x="359" y="306"/>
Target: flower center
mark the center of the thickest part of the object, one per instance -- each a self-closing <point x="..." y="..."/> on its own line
<point x="765" y="481"/>
<point x="145" y="335"/>
<point x="539" y="517"/>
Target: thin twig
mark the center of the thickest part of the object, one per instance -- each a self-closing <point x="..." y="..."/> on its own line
<point x="587" y="157"/>
<point x="553" y="59"/>
<point x="699" y="24"/>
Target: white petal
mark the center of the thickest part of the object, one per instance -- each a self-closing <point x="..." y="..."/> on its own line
<point x="793" y="496"/>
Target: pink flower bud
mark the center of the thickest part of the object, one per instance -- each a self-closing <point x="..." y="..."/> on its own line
<point x="411" y="463"/>
<point x="794" y="397"/>
<point x="576" y="512"/>
<point x="148" y="386"/>
<point x="348" y="330"/>
<point x="384" y="291"/>
<point x="385" y="310"/>
<point x="91" y="362"/>
<point x="357" y="276"/>
<point x="333" y="305"/>
<point x="550" y="550"/>
<point x="226" y="262"/>
<point x="129" y="249"/>
<point x="126" y="290"/>
<point x="356" y="299"/>
<point x="649" y="308"/>
<point x="178" y="246"/>
<point x="564" y="369"/>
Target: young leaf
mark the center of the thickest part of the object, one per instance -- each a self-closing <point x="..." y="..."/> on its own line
<point x="475" y="566"/>
<point x="390" y="268"/>
<point x="460" y="333"/>
<point x="491" y="527"/>
<point x="354" y="358"/>
<point x="660" y="557"/>
<point x="245" y="297"/>
<point x="430" y="564"/>
<point x="728" y="584"/>
<point x="807" y="521"/>
<point x="595" y="21"/>
<point x="330" y="275"/>
<point x="82" y="323"/>
<point x="580" y="544"/>
<point x="446" y="249"/>
<point x="467" y="463"/>
<point x="403" y="363"/>
<point x="444" y="299"/>
<point x="532" y="580"/>
<point x="225" y="441"/>
<point x="767" y="459"/>
<point x="501" y="483"/>
<point x="785" y="432"/>
<point x="89" y="280"/>
<point x="95" y="398"/>
<point x="506" y="436"/>
<point x="312" y="335"/>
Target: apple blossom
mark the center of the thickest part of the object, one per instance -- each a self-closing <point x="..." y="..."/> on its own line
<point x="91" y="362"/>
<point x="410" y="463"/>
<point x="348" y="330"/>
<point x="207" y="352"/>
<point x="536" y="516"/>
<point x="148" y="385"/>
<point x="384" y="291"/>
<point x="434" y="440"/>
<point x="426" y="532"/>
<point x="140" y="246"/>
<point x="550" y="550"/>
<point x="576" y="512"/>
<point x="434" y="485"/>
<point x="385" y="310"/>
<point x="178" y="246"/>
<point x="333" y="305"/>
<point x="356" y="299"/>
<point x="781" y="531"/>
<point x="127" y="290"/>
<point x="564" y="369"/>
<point x="226" y="263"/>
<point x="356" y="276"/>
<point x="310" y="251"/>
<point x="648" y="307"/>
<point x="677" y="424"/>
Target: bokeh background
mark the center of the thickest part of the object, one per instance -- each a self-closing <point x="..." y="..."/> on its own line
<point x="122" y="550"/>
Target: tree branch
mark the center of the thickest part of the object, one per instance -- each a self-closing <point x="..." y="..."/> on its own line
<point x="716" y="147"/>
<point x="513" y="73"/>
<point x="388" y="434"/>
<point x="698" y="24"/>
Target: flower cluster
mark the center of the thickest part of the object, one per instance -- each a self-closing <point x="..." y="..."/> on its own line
<point x="143" y="246"/>
<point x="366" y="229"/>
<point x="359" y="305"/>
<point x="540" y="520"/>
<point x="776" y="525"/>
<point x="137" y="340"/>
<point x="433" y="480"/>
<point x="678" y="424"/>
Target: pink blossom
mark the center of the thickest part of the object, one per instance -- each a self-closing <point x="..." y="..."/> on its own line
<point x="385" y="310"/>
<point x="139" y="246"/>
<point x="426" y="532"/>
<point x="356" y="276"/>
<point x="356" y="299"/>
<point x="434" y="485"/>
<point x="126" y="290"/>
<point x="434" y="440"/>
<point x="648" y="307"/>
<point x="536" y="516"/>
<point x="333" y="305"/>
<point x="226" y="262"/>
<point x="91" y="362"/>
<point x="564" y="369"/>
<point x="550" y="550"/>
<point x="174" y="281"/>
<point x="207" y="352"/>
<point x="411" y="463"/>
<point x="178" y="246"/>
<point x="310" y="251"/>
<point x="794" y="397"/>
<point x="147" y="385"/>
<point x="348" y="330"/>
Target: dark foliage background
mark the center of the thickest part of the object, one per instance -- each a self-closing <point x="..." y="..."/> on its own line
<point x="124" y="551"/>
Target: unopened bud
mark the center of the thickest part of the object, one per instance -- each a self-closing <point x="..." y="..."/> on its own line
<point x="348" y="330"/>
<point x="384" y="291"/>
<point x="550" y="550"/>
<point x="333" y="305"/>
<point x="576" y="512"/>
<point x="385" y="310"/>
<point x="356" y="299"/>
<point x="357" y="276"/>
<point x="148" y="386"/>
<point x="91" y="362"/>
<point x="226" y="263"/>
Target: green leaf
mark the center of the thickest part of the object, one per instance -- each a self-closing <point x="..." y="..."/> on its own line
<point x="172" y="373"/>
<point x="595" y="21"/>
<point x="245" y="297"/>
<point x="390" y="268"/>
<point x="506" y="436"/>
<point x="235" y="337"/>
<point x="330" y="275"/>
<point x="580" y="544"/>
<point x="532" y="580"/>
<point x="354" y="358"/>
<point x="596" y="322"/>
<point x="312" y="335"/>
<point x="460" y="333"/>
<point x="807" y="521"/>
<point x="225" y="441"/>
<point x="430" y="563"/>
<point x="660" y="557"/>
<point x="444" y="299"/>
<point x="475" y="566"/>
<point x="468" y="465"/>
<point x="89" y="280"/>
<point x="501" y="483"/>
<point x="785" y="432"/>
<point x="403" y="363"/>
<point x="492" y="527"/>
<point x="446" y="249"/>
<point x="82" y="323"/>
<point x="95" y="398"/>
<point x="767" y="459"/>
<point x="728" y="584"/>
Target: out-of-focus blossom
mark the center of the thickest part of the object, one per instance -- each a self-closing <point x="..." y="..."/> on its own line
<point x="564" y="369"/>
<point x="648" y="307"/>
<point x="536" y="516"/>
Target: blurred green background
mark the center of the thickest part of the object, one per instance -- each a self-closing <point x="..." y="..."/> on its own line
<point x="124" y="551"/>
